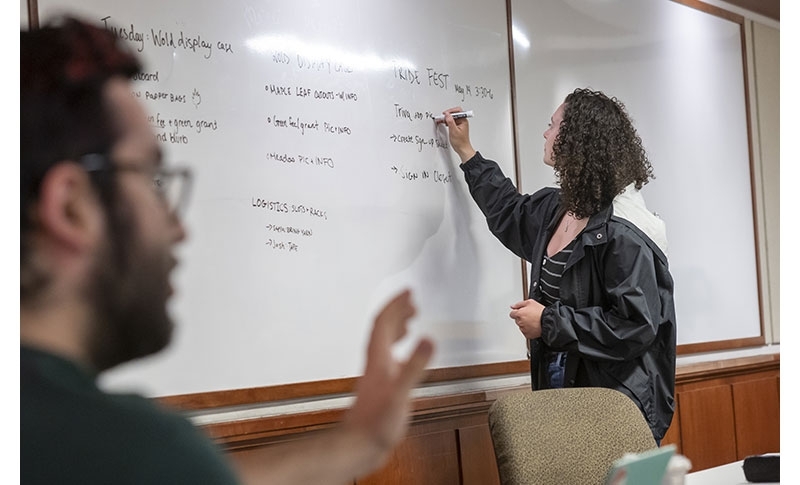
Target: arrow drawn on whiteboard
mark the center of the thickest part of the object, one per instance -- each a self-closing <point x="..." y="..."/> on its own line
<point x="196" y="99"/>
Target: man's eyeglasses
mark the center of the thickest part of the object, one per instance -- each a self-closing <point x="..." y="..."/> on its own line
<point x="171" y="184"/>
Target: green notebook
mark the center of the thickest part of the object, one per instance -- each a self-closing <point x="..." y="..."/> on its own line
<point x="646" y="468"/>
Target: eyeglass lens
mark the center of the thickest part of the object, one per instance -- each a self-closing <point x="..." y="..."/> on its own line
<point x="170" y="186"/>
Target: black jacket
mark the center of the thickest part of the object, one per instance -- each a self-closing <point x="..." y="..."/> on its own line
<point x="616" y="317"/>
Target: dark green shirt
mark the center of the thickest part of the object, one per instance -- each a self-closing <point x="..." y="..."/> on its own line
<point x="71" y="432"/>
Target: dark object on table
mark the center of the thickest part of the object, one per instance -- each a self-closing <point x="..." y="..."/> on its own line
<point x="762" y="468"/>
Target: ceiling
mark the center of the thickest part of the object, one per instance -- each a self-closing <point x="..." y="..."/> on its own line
<point x="767" y="8"/>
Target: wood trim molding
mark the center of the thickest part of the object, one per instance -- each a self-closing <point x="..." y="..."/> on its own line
<point x="270" y="394"/>
<point x="742" y="343"/>
<point x="767" y="8"/>
<point x="713" y="10"/>
<point x="33" y="14"/>
<point x="726" y="368"/>
<point x="236" y="435"/>
<point x="241" y="434"/>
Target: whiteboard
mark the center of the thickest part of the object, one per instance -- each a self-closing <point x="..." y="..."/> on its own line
<point x="680" y="73"/>
<point x="322" y="186"/>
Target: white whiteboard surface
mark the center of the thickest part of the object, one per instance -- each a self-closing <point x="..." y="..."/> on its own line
<point x="679" y="72"/>
<point x="322" y="186"/>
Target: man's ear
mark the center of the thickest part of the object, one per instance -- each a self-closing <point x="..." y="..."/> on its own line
<point x="68" y="210"/>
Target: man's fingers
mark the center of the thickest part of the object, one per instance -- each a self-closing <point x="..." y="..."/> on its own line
<point x="392" y="321"/>
<point x="401" y="302"/>
<point x="390" y="325"/>
<point x="414" y="368"/>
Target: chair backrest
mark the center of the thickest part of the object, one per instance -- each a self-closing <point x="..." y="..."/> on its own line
<point x="564" y="436"/>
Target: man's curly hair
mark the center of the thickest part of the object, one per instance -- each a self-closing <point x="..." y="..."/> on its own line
<point x="597" y="152"/>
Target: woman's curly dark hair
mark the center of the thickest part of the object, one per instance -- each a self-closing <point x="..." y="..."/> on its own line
<point x="597" y="152"/>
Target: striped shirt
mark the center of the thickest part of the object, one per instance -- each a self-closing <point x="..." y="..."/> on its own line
<point x="549" y="285"/>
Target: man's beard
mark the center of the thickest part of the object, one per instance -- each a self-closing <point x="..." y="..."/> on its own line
<point x="129" y="292"/>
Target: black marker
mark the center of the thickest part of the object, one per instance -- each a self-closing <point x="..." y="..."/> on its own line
<point x="456" y="116"/>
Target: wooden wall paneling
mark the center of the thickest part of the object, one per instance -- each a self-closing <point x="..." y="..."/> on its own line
<point x="756" y="407"/>
<point x="478" y="463"/>
<point x="715" y="405"/>
<point x="425" y="458"/>
<point x="718" y="372"/>
<point x="707" y="426"/>
<point x="430" y="451"/>
<point x="270" y="452"/>
<point x="673" y="435"/>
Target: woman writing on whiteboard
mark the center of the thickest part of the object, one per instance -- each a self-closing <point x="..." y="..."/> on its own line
<point x="600" y="311"/>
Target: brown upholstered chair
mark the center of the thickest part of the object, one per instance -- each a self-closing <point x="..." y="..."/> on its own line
<point x="564" y="436"/>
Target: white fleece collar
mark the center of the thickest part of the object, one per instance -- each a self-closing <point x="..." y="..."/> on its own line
<point x="629" y="205"/>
